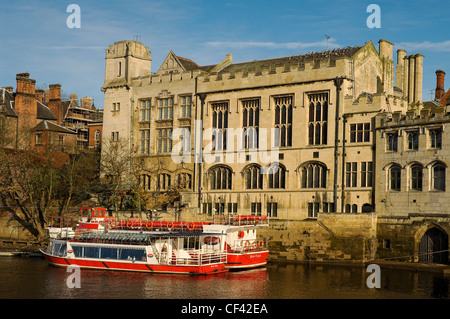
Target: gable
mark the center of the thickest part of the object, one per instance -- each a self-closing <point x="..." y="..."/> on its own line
<point x="173" y="63"/>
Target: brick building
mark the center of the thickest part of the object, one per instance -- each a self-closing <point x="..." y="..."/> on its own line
<point x="28" y="121"/>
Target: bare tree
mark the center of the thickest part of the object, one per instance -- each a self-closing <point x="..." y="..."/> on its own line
<point x="116" y="171"/>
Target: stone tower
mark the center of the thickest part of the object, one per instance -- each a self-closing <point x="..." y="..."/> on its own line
<point x="124" y="61"/>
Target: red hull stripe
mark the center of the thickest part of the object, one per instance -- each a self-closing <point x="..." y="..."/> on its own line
<point x="141" y="267"/>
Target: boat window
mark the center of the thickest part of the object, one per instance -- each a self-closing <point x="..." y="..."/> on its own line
<point x="131" y="254"/>
<point x="108" y="253"/>
<point x="77" y="250"/>
<point x="91" y="252"/>
<point x="59" y="249"/>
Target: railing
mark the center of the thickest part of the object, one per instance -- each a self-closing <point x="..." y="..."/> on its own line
<point x="243" y="245"/>
<point x="240" y="220"/>
<point x="196" y="258"/>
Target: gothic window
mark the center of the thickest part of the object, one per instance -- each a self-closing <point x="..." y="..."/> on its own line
<point x="219" y="125"/>
<point x="283" y="120"/>
<point x="145" y="110"/>
<point x="436" y="138"/>
<point x="314" y="175"/>
<point x="145" y="141"/>
<point x="392" y="141"/>
<point x="413" y="140"/>
<point x="272" y="209"/>
<point x="318" y="119"/>
<point x="438" y="177"/>
<point x="276" y="176"/>
<point x="250" y="123"/>
<point x="416" y="177"/>
<point x="366" y="174"/>
<point x="145" y="182"/>
<point x="220" y="177"/>
<point x="164" y="181"/>
<point x="185" y="140"/>
<point x="164" y="140"/>
<point x="165" y="109"/>
<point x="185" y="104"/>
<point x="184" y="181"/>
<point x="253" y="177"/>
<point x="351" y="171"/>
<point x="395" y="173"/>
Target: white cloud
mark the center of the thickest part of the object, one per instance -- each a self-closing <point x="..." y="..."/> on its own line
<point x="425" y="45"/>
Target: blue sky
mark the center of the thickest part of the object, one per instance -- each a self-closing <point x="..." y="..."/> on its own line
<point x="36" y="39"/>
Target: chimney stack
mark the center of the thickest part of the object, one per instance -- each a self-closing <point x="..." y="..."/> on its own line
<point x="54" y="101"/>
<point x="40" y="95"/>
<point x="25" y="103"/>
<point x="440" y="91"/>
<point x="86" y="102"/>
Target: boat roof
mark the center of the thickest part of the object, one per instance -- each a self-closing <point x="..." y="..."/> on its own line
<point x="133" y="236"/>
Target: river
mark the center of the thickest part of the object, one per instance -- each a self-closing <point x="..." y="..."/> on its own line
<point x="32" y="277"/>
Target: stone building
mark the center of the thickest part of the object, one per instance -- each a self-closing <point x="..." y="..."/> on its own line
<point x="412" y="158"/>
<point x="287" y="137"/>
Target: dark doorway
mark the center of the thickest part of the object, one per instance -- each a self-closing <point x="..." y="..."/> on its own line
<point x="433" y="247"/>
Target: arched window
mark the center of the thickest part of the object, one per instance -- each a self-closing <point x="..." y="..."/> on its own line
<point x="220" y="177"/>
<point x="416" y="177"/>
<point x="283" y="121"/>
<point x="164" y="181"/>
<point x="184" y="181"/>
<point x="318" y="117"/>
<point x="253" y="177"/>
<point x="219" y="125"/>
<point x="313" y="175"/>
<point x="395" y="174"/>
<point x="438" y="177"/>
<point x="276" y="176"/>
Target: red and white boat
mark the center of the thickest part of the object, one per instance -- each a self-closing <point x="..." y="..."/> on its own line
<point x="131" y="250"/>
<point x="103" y="242"/>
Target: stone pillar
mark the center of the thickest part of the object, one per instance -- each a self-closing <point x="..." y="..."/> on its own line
<point x="399" y="70"/>
<point x="418" y="78"/>
<point x="406" y="77"/>
<point x="412" y="67"/>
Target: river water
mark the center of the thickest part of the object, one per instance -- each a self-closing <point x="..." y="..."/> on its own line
<point x="33" y="278"/>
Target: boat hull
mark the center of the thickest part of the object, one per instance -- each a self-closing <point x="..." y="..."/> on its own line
<point x="246" y="260"/>
<point x="103" y="264"/>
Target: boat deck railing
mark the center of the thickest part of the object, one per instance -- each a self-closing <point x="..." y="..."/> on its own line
<point x="196" y="257"/>
<point x="243" y="245"/>
<point x="241" y="220"/>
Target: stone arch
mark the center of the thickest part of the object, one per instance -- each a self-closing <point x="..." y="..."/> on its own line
<point x="435" y="230"/>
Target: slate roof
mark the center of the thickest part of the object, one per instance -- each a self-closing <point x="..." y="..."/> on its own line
<point x="257" y="64"/>
<point x="44" y="113"/>
<point x="52" y="127"/>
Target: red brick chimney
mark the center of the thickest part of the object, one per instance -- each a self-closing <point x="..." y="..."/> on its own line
<point x="54" y="101"/>
<point x="440" y="91"/>
<point x="25" y="103"/>
<point x="40" y="95"/>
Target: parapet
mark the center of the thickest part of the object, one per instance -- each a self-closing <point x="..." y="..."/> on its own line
<point x="128" y="47"/>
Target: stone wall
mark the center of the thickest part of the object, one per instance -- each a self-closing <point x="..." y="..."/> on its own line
<point x="398" y="238"/>
<point x="330" y="237"/>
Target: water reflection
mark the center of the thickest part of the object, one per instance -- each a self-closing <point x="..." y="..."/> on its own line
<point x="34" y="278"/>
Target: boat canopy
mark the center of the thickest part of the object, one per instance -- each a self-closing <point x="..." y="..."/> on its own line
<point x="138" y="237"/>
